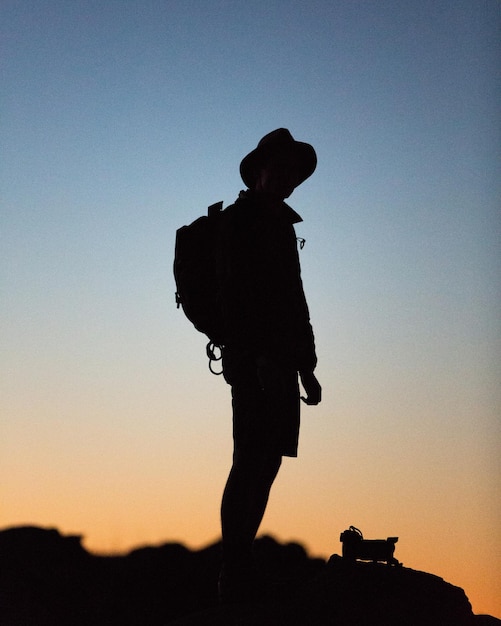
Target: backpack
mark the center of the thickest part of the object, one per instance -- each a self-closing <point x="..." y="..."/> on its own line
<point x="196" y="276"/>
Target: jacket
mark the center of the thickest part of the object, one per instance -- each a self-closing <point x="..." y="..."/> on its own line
<point x="262" y="299"/>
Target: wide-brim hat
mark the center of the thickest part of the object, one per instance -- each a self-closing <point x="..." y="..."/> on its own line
<point x="279" y="142"/>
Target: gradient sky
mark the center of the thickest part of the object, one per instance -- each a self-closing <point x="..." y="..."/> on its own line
<point x="121" y="120"/>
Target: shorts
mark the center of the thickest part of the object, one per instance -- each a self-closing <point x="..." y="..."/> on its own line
<point x="265" y="399"/>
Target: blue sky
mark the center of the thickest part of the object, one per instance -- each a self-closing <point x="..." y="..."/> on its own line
<point x="121" y="121"/>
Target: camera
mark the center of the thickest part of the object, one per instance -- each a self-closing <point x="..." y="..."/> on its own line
<point x="355" y="547"/>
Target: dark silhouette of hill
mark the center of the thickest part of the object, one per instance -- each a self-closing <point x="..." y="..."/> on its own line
<point x="47" y="579"/>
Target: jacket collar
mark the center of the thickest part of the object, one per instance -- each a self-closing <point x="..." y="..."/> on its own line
<point x="285" y="210"/>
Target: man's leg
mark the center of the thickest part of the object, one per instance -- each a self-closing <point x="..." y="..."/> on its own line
<point x="261" y="424"/>
<point x="244" y="502"/>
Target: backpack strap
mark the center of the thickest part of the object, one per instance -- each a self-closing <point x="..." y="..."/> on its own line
<point x="213" y="350"/>
<point x="215" y="208"/>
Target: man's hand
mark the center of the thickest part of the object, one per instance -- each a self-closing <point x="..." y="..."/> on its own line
<point x="311" y="387"/>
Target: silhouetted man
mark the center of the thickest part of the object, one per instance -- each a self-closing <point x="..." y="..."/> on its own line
<point x="269" y="341"/>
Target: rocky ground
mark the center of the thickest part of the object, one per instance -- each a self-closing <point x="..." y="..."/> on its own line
<point x="47" y="579"/>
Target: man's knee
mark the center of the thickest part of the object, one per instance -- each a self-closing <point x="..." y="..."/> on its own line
<point x="260" y="464"/>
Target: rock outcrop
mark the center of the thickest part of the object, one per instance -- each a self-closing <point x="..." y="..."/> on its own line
<point x="47" y="579"/>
